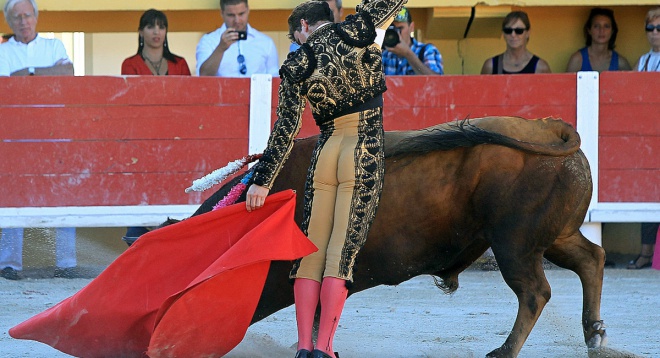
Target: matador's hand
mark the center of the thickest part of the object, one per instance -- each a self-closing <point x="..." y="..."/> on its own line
<point x="256" y="197"/>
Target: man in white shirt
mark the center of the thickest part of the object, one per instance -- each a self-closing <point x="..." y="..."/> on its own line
<point x="236" y="49"/>
<point x="27" y="53"/>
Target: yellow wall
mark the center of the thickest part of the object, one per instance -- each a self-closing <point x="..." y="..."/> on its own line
<point x="105" y="5"/>
<point x="556" y="33"/>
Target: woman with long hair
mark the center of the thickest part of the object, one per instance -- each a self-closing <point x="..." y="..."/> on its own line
<point x="153" y="56"/>
<point x="600" y="32"/>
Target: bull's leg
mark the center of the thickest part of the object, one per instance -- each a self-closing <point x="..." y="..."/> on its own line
<point x="523" y="272"/>
<point x="587" y="260"/>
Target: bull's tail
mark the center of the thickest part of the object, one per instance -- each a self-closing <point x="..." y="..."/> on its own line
<point x="219" y="175"/>
<point x="542" y="136"/>
<point x="546" y="136"/>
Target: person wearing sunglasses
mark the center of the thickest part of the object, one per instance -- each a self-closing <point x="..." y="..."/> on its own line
<point x="517" y="58"/>
<point x="236" y="49"/>
<point x="153" y="56"/>
<point x="337" y="70"/>
<point x="650" y="61"/>
<point x="600" y="32"/>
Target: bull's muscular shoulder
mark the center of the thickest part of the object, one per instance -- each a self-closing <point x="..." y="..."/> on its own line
<point x="299" y="64"/>
<point x="357" y="30"/>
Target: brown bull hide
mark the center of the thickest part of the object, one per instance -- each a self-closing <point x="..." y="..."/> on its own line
<point x="452" y="191"/>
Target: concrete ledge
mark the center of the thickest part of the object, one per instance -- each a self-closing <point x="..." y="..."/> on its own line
<point x="624" y="212"/>
<point x="93" y="216"/>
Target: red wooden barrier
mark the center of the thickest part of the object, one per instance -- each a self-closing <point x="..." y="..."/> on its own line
<point x="629" y="139"/>
<point x="419" y="101"/>
<point x="106" y="141"/>
<point x="413" y="102"/>
<point x="90" y="141"/>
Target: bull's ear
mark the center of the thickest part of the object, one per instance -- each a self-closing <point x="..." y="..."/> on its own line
<point x="299" y="64"/>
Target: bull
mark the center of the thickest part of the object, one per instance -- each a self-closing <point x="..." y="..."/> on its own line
<point x="521" y="187"/>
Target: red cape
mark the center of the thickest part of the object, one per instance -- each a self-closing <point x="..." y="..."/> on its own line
<point x="185" y="290"/>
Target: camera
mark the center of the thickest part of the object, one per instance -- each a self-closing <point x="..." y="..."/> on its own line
<point x="242" y="35"/>
<point x="391" y="37"/>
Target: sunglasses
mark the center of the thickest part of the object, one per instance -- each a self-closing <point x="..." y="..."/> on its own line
<point x="241" y="64"/>
<point x="650" y="28"/>
<point x="517" y="30"/>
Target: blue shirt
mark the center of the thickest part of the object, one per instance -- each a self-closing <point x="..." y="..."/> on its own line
<point x="586" y="64"/>
<point x="395" y="65"/>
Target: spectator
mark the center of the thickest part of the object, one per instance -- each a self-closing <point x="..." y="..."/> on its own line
<point x="650" y="62"/>
<point x="598" y="55"/>
<point x="345" y="93"/>
<point x="236" y="49"/>
<point x="11" y="253"/>
<point x="153" y="55"/>
<point x="27" y="53"/>
<point x="405" y="55"/>
<point x="337" y="12"/>
<point x="649" y="236"/>
<point x="6" y="38"/>
<point x="516" y="59"/>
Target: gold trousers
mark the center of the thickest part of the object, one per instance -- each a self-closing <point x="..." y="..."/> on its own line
<point x="343" y="188"/>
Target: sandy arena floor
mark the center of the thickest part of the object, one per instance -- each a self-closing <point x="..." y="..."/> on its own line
<point x="414" y="319"/>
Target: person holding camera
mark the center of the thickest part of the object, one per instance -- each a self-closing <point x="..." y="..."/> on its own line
<point x="236" y="49"/>
<point x="403" y="55"/>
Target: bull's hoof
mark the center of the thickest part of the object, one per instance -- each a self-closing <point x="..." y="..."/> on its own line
<point x="605" y="352"/>
<point x="598" y="335"/>
<point x="500" y="353"/>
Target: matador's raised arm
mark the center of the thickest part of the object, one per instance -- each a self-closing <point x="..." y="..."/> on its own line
<point x="382" y="12"/>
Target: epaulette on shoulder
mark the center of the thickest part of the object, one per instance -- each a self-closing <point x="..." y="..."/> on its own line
<point x="299" y="64"/>
<point x="357" y="30"/>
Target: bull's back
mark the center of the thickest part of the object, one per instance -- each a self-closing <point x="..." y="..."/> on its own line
<point x="441" y="210"/>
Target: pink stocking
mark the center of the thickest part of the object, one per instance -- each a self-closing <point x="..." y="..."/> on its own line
<point x="333" y="297"/>
<point x="306" y="295"/>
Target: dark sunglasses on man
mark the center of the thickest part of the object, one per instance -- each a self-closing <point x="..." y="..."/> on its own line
<point x="517" y="30"/>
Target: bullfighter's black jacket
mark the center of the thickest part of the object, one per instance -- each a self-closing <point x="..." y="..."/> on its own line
<point x="338" y="70"/>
